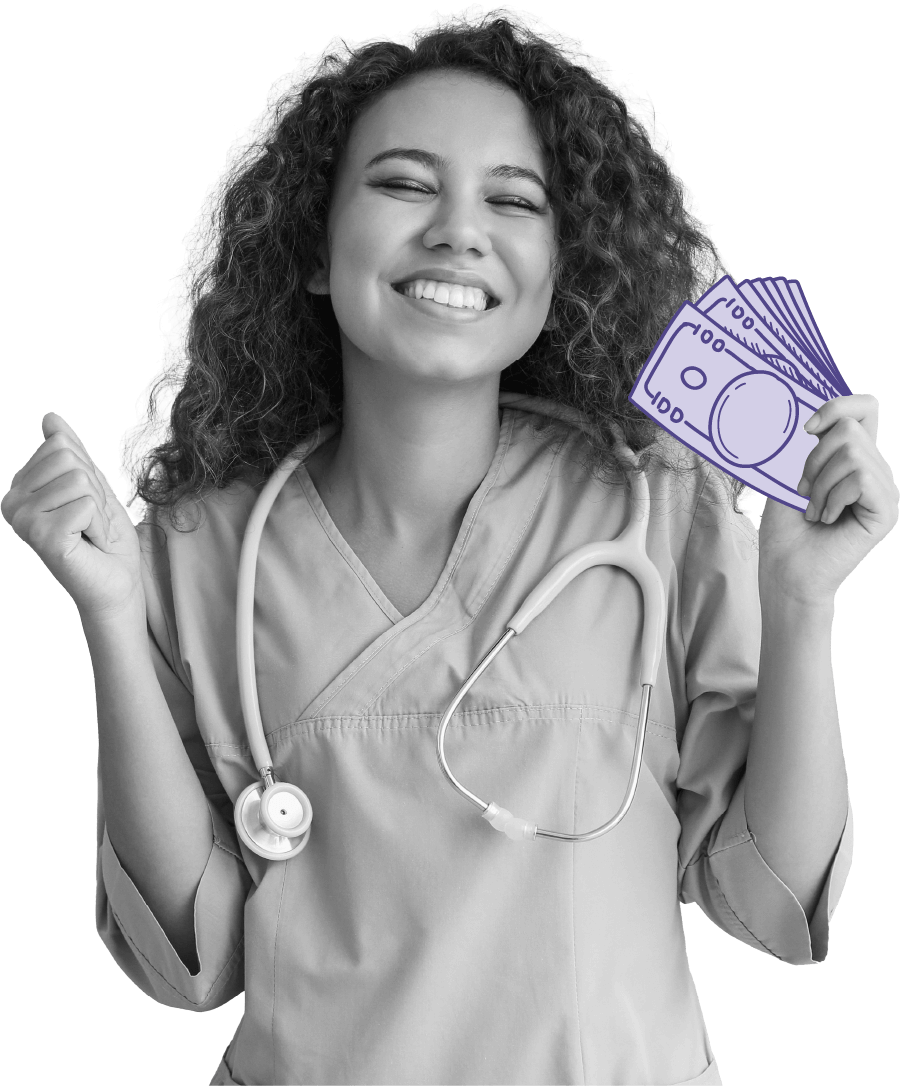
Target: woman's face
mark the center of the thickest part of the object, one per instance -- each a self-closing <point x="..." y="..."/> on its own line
<point x="440" y="233"/>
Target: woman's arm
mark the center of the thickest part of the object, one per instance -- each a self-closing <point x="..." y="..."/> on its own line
<point x="156" y="812"/>
<point x="796" y="783"/>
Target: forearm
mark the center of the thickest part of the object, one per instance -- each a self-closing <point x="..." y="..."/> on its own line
<point x="796" y="783"/>
<point x="156" y="812"/>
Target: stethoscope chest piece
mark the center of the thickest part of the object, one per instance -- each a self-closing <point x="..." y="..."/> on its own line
<point x="273" y="822"/>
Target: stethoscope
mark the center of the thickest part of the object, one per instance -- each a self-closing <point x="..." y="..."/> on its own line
<point x="273" y="818"/>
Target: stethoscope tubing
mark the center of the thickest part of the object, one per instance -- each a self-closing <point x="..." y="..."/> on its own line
<point x="246" y="593"/>
<point x="627" y="551"/>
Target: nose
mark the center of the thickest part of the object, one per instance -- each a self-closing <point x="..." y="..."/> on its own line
<point x="458" y="223"/>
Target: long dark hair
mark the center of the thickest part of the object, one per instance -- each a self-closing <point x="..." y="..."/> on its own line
<point x="262" y="365"/>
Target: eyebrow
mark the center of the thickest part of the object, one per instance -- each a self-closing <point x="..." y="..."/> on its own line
<point x="437" y="162"/>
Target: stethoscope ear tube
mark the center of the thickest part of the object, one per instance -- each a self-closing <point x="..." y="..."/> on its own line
<point x="272" y="817"/>
<point x="628" y="551"/>
<point x="246" y="655"/>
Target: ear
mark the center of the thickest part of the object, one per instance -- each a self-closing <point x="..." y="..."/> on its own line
<point x="319" y="281"/>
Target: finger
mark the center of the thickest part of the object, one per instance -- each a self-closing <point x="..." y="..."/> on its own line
<point x="848" y="479"/>
<point x="845" y="458"/>
<point x="50" y="460"/>
<point x="73" y="520"/>
<point x="58" y="436"/>
<point x="55" y="438"/>
<point x="862" y="408"/>
<point x="62" y="454"/>
<point x="65" y="464"/>
<point x="874" y="507"/>
<point x="845" y="432"/>
<point x="61" y="491"/>
<point x="849" y="491"/>
<point x="56" y="424"/>
<point x="52" y="424"/>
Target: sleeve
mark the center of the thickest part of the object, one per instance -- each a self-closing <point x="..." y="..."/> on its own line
<point x="720" y="867"/>
<point x="125" y="922"/>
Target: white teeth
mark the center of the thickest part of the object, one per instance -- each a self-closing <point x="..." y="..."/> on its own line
<point x="450" y="294"/>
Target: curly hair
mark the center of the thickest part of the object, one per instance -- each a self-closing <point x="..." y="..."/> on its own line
<point x="262" y="363"/>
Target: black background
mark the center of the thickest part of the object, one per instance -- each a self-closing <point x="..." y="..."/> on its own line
<point x="111" y="162"/>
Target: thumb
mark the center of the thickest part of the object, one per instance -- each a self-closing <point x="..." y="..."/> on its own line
<point x="52" y="423"/>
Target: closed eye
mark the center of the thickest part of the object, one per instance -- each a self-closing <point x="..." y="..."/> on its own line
<point x="504" y="201"/>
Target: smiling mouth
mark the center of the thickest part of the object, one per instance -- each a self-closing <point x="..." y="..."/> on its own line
<point x="492" y="302"/>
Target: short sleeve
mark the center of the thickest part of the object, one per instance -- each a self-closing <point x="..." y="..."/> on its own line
<point x="720" y="867"/>
<point x="125" y="922"/>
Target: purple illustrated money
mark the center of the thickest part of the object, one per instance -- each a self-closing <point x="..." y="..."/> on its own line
<point x="737" y="384"/>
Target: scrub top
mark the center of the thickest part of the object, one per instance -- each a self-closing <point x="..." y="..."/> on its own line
<point x="410" y="942"/>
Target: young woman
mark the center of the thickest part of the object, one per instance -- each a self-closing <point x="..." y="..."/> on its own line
<point x="422" y="230"/>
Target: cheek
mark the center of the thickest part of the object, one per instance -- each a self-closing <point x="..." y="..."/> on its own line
<point x="552" y="258"/>
<point x="357" y="310"/>
<point x="357" y="263"/>
<point x="529" y="257"/>
<point x="357" y="250"/>
<point x="362" y="232"/>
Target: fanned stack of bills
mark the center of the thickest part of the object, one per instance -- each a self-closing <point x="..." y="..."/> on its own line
<point x="735" y="378"/>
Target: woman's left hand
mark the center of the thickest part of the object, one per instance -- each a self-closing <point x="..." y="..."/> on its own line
<point x="852" y="506"/>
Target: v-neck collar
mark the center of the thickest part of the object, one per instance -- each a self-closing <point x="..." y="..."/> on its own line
<point x="352" y="559"/>
<point x="496" y="519"/>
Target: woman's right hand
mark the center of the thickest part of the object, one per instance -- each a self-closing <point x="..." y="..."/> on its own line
<point x="62" y="506"/>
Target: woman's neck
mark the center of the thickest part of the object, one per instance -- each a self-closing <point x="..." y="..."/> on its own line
<point x="405" y="472"/>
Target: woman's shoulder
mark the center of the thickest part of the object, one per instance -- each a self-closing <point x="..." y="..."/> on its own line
<point x="555" y="423"/>
<point x="200" y="525"/>
<point x="681" y="483"/>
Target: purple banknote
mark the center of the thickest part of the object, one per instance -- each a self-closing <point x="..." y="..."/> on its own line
<point x="736" y="377"/>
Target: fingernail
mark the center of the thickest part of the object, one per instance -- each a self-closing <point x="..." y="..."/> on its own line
<point x="811" y="512"/>
<point x="803" y="486"/>
<point x="811" y="426"/>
